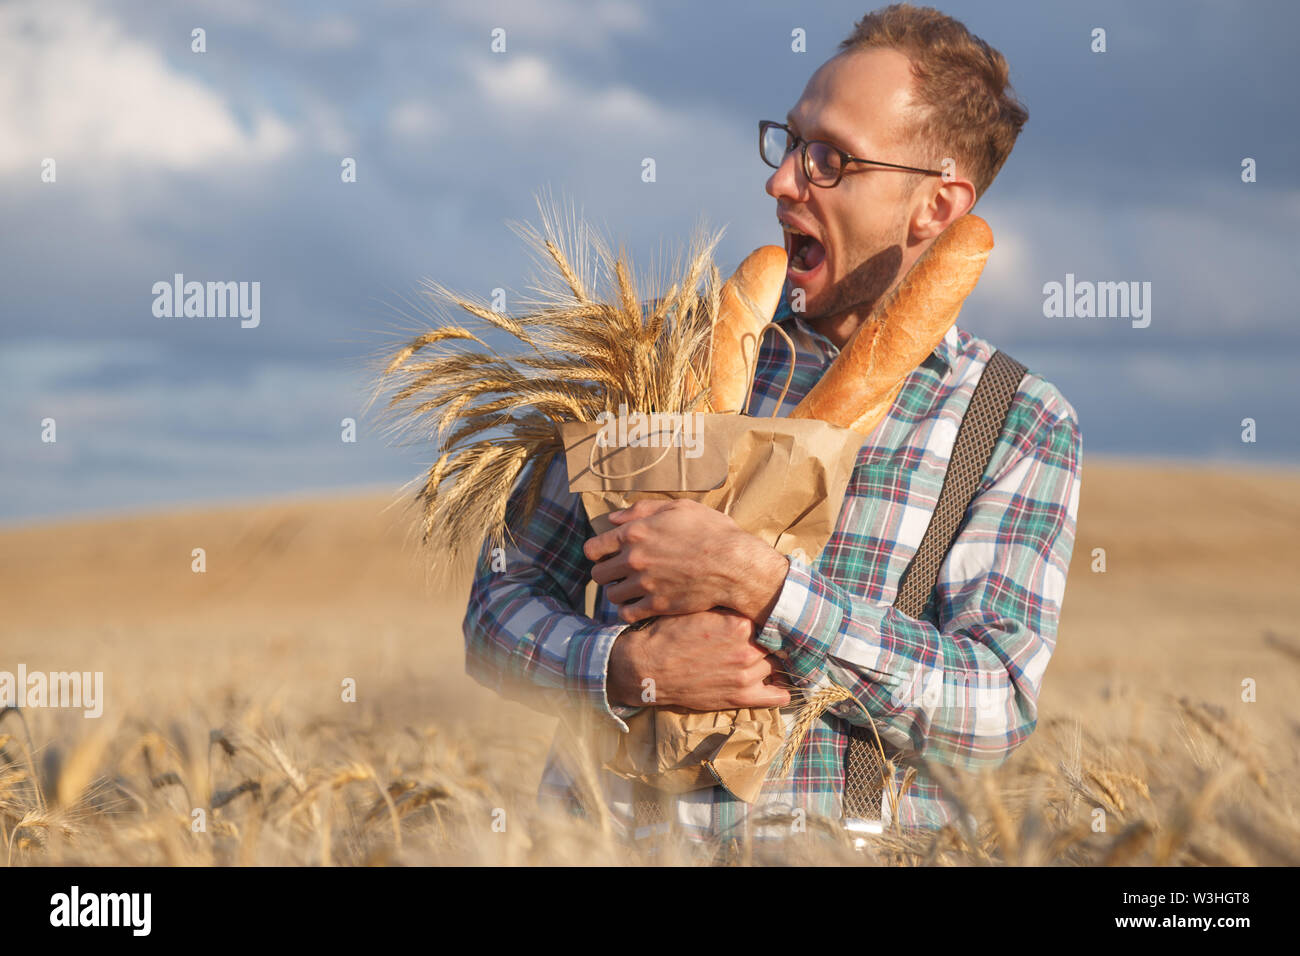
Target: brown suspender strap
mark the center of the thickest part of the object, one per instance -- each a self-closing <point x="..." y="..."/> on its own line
<point x="976" y="438"/>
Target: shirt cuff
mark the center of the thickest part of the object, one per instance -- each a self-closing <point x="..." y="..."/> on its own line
<point x="624" y="711"/>
<point x="810" y="621"/>
<point x="589" y="675"/>
<point x="792" y="607"/>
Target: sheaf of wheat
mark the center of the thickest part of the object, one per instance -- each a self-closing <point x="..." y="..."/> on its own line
<point x="488" y="391"/>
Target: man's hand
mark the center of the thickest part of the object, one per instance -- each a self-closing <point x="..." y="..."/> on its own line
<point x="702" y="661"/>
<point x="679" y="557"/>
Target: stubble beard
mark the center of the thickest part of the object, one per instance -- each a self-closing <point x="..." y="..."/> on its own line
<point x="857" y="293"/>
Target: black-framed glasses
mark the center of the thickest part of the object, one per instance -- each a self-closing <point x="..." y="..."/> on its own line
<point x="823" y="163"/>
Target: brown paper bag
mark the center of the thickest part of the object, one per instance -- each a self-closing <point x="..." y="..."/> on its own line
<point x="781" y="479"/>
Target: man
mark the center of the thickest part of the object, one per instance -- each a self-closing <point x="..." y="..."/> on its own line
<point x="733" y="623"/>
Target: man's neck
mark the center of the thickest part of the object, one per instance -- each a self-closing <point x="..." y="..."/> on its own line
<point x="838" y="328"/>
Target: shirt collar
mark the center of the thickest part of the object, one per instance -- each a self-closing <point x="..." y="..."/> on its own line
<point x="945" y="351"/>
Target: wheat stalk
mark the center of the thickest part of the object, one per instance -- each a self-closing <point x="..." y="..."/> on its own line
<point x="814" y="706"/>
<point x="585" y="342"/>
<point x="1235" y="743"/>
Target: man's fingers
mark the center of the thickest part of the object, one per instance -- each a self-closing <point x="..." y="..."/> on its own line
<point x="626" y="590"/>
<point x="642" y="509"/>
<point x="603" y="545"/>
<point x="635" y="611"/>
<point x="765" y="695"/>
<point x="619" y="592"/>
<point x="774" y="696"/>
<point x="610" y="569"/>
<point x="759" y="671"/>
<point x="758" y="693"/>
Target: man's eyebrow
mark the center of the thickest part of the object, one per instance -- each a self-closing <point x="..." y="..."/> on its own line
<point x="835" y="140"/>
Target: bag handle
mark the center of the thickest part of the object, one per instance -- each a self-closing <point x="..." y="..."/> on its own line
<point x="591" y="455"/>
<point x="752" y="372"/>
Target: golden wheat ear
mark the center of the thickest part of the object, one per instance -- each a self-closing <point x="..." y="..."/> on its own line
<point x="489" y="391"/>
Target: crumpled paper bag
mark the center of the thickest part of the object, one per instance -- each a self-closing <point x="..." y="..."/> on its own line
<point x="675" y="750"/>
<point x="781" y="479"/>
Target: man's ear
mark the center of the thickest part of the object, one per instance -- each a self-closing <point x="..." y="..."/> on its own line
<point x="945" y="202"/>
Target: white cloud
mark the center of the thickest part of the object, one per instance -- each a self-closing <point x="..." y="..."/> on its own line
<point x="143" y="438"/>
<point x="622" y="104"/>
<point x="79" y="88"/>
<point x="527" y="87"/>
<point x="1213" y="262"/>
<point x="331" y="33"/>
<point x="288" y="28"/>
<point x="573" y="23"/>
<point x="524" y="81"/>
<point x="326" y="126"/>
<point x="1004" y="272"/>
<point x="415" y="120"/>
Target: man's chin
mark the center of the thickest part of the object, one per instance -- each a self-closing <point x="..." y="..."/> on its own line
<point x="819" y="306"/>
<point x="815" y="299"/>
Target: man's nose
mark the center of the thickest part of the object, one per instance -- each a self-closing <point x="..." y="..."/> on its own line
<point x="785" y="179"/>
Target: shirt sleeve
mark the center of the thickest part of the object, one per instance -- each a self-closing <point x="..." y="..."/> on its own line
<point x="526" y="636"/>
<point x="963" y="693"/>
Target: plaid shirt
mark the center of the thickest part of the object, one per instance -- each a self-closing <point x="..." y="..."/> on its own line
<point x="958" y="686"/>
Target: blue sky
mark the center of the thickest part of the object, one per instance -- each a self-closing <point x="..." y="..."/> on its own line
<point x="225" y="166"/>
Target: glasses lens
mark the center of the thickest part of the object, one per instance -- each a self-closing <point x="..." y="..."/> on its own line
<point x="825" y="163"/>
<point x="775" y="145"/>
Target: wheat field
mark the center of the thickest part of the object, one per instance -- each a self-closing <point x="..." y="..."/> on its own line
<point x="225" y="738"/>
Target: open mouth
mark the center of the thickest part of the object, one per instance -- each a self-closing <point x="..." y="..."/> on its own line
<point x="806" y="253"/>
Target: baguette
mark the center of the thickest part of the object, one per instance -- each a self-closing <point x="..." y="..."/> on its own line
<point x="749" y="298"/>
<point x="864" y="380"/>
